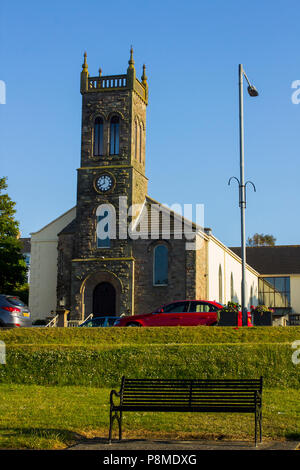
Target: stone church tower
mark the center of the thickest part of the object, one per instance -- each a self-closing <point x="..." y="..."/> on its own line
<point x="115" y="275"/>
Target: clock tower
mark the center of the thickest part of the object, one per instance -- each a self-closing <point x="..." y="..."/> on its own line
<point x="111" y="178"/>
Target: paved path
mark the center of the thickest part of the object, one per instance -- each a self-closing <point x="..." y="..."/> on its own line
<point x="167" y="445"/>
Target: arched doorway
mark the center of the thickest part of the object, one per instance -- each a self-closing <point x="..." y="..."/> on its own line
<point x="104" y="299"/>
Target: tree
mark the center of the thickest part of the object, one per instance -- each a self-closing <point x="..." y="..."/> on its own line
<point x="259" y="239"/>
<point x="12" y="263"/>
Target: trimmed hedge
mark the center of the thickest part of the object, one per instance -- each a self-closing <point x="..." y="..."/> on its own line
<point x="162" y="335"/>
<point x="104" y="366"/>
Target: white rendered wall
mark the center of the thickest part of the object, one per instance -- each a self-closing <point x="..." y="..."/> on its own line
<point x="220" y="255"/>
<point x="295" y="292"/>
<point x="43" y="267"/>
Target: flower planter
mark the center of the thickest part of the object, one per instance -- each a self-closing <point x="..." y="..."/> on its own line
<point x="228" y="319"/>
<point x="262" y="319"/>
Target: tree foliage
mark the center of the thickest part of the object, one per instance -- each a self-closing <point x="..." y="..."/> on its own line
<point x="12" y="264"/>
<point x="259" y="239"/>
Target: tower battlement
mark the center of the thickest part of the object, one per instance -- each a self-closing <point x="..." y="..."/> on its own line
<point x="102" y="84"/>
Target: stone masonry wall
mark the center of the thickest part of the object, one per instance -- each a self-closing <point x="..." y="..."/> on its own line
<point x="147" y="296"/>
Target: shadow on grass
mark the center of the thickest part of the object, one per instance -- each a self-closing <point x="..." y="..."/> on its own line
<point x="38" y="438"/>
<point x="292" y="436"/>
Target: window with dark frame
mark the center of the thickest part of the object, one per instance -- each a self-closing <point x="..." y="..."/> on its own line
<point x="160" y="265"/>
<point x="274" y="292"/>
<point x="136" y="140"/>
<point x="98" y="137"/>
<point x="114" y="135"/>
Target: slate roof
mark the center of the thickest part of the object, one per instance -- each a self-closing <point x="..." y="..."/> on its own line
<point x="280" y="259"/>
<point x="70" y="228"/>
<point x="26" y="245"/>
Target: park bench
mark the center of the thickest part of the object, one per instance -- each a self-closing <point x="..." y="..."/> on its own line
<point x="211" y="395"/>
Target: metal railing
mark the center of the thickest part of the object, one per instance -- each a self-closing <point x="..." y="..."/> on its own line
<point x="52" y="323"/>
<point x="73" y="323"/>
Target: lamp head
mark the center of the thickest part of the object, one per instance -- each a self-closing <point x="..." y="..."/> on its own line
<point x="252" y="90"/>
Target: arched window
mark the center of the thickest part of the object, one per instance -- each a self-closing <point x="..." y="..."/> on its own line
<point x="251" y="296"/>
<point x="136" y="141"/>
<point x="231" y="288"/>
<point x="220" y="286"/>
<point x="106" y="225"/>
<point x="141" y="142"/>
<point x="98" y="136"/>
<point x="114" y="135"/>
<point x="160" y="265"/>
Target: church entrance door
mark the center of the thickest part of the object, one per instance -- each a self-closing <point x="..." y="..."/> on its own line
<point x="104" y="299"/>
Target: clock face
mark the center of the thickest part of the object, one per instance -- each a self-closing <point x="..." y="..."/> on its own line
<point x="104" y="183"/>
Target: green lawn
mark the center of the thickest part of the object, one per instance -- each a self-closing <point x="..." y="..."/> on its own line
<point x="41" y="417"/>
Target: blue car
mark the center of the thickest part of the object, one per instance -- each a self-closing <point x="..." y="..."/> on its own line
<point x="99" y="321"/>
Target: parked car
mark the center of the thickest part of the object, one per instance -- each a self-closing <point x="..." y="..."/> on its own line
<point x="181" y="313"/>
<point x="99" y="322"/>
<point x="13" y="312"/>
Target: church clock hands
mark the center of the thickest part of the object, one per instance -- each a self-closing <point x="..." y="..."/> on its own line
<point x="104" y="183"/>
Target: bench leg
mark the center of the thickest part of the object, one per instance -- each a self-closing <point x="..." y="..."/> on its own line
<point x="120" y="426"/>
<point x="110" y="426"/>
<point x="112" y="416"/>
<point x="260" y="426"/>
<point x="255" y="428"/>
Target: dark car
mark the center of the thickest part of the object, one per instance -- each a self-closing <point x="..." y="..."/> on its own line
<point x="13" y="312"/>
<point x="180" y="313"/>
<point x="99" y="322"/>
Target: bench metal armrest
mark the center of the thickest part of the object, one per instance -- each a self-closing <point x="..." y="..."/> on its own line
<point x="112" y="394"/>
<point x="259" y="396"/>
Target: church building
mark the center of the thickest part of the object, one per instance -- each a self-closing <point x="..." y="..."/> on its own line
<point x="113" y="253"/>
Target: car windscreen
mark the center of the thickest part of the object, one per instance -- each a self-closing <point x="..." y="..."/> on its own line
<point x="15" y="301"/>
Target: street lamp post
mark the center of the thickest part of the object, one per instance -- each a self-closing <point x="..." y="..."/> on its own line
<point x="242" y="186"/>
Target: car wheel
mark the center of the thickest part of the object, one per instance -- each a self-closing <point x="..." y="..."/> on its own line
<point x="133" y="324"/>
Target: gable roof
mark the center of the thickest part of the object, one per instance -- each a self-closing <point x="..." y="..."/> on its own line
<point x="70" y="228"/>
<point x="278" y="259"/>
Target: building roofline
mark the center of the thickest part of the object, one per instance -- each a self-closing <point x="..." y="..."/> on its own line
<point x="269" y="246"/>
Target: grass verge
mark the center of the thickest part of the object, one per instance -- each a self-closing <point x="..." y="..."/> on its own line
<point x="103" y="366"/>
<point x="162" y="335"/>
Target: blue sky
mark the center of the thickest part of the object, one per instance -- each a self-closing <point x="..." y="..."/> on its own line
<point x="192" y="50"/>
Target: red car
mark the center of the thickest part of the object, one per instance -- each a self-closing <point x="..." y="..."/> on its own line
<point x="180" y="313"/>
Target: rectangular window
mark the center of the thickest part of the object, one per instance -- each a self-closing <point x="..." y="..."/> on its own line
<point x="274" y="292"/>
